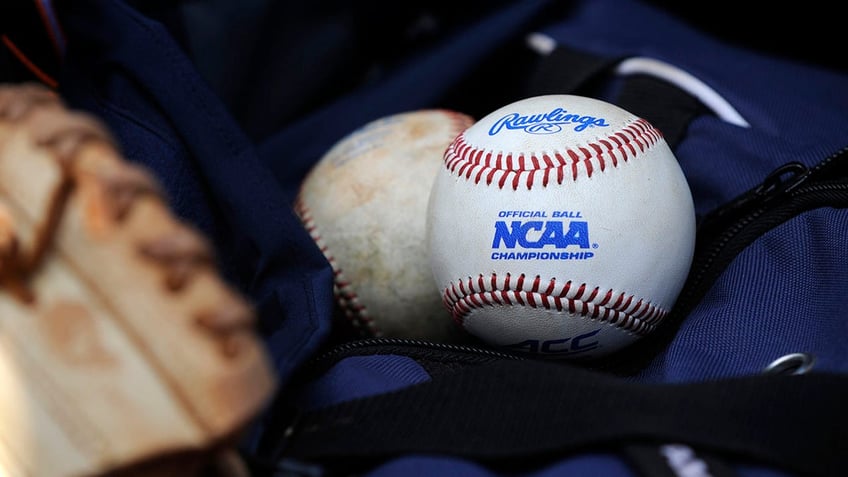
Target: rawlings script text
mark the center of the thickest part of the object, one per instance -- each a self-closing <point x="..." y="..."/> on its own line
<point x="546" y="123"/>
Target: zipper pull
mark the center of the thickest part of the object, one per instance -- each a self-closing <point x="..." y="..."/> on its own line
<point x="782" y="180"/>
<point x="779" y="182"/>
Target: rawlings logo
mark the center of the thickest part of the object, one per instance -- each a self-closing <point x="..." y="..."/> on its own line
<point x="546" y="123"/>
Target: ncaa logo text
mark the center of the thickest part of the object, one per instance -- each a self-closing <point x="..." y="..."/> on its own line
<point x="542" y="240"/>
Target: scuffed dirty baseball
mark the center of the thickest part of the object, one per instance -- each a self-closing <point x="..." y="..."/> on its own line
<point x="365" y="204"/>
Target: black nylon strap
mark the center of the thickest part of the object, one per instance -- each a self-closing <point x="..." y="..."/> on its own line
<point x="667" y="107"/>
<point x="569" y="71"/>
<point x="519" y="410"/>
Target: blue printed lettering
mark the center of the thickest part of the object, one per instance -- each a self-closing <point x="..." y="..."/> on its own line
<point x="524" y="214"/>
<point x="541" y="255"/>
<point x="546" y="123"/>
<point x="577" y="342"/>
<point x="559" y="346"/>
<point x="552" y="233"/>
<point x="567" y="214"/>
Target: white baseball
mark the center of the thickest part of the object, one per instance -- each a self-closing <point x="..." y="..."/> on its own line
<point x="561" y="226"/>
<point x="364" y="203"/>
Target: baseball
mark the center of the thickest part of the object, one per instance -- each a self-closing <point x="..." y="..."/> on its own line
<point x="560" y="226"/>
<point x="365" y="203"/>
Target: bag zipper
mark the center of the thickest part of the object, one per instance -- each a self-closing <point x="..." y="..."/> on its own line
<point x="285" y="418"/>
<point x="461" y="353"/>
<point x="722" y="234"/>
<point x="789" y="190"/>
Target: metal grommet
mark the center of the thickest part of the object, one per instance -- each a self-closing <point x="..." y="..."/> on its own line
<point x="791" y="364"/>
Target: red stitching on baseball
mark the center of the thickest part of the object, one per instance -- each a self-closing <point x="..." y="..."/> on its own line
<point x="461" y="298"/>
<point x="344" y="293"/>
<point x="502" y="169"/>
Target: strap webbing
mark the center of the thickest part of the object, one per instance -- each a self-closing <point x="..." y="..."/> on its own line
<point x="667" y="107"/>
<point x="568" y="71"/>
<point x="519" y="410"/>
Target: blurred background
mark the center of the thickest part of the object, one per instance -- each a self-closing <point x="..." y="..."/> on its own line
<point x="273" y="61"/>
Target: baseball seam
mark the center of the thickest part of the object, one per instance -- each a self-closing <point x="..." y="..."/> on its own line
<point x="344" y="293"/>
<point x="507" y="169"/>
<point x="618" y="309"/>
<point x="347" y="298"/>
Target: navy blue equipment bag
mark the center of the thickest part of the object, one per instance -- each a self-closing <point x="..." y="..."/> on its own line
<point x="747" y="375"/>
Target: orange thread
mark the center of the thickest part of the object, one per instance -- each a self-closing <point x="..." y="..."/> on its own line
<point x="41" y="75"/>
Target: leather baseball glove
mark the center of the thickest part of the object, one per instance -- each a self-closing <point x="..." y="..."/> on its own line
<point x="122" y="350"/>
